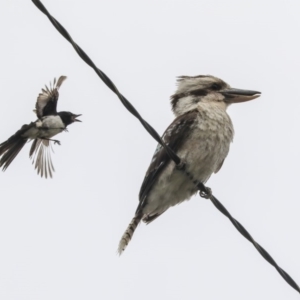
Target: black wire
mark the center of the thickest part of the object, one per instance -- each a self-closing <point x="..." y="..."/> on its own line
<point x="258" y="247"/>
<point x="206" y="193"/>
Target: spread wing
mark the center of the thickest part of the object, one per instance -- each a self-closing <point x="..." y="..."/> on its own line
<point x="40" y="152"/>
<point x="174" y="137"/>
<point x="47" y="100"/>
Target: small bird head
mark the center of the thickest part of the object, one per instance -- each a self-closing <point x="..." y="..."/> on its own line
<point x="68" y="117"/>
<point x="195" y="90"/>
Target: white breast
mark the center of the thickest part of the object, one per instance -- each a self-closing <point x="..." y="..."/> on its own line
<point x="204" y="151"/>
<point x="50" y="126"/>
<point x="52" y="122"/>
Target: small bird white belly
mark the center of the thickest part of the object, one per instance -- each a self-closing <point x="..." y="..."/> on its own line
<point x="51" y="125"/>
<point x="52" y="122"/>
<point x="47" y="127"/>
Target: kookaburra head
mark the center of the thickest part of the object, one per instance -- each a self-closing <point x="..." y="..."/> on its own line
<point x="208" y="90"/>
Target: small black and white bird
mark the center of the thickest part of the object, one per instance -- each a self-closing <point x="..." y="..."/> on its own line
<point x="200" y="135"/>
<point x="49" y="123"/>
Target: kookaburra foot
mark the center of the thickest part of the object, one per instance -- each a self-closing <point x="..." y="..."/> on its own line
<point x="206" y="194"/>
<point x="181" y="165"/>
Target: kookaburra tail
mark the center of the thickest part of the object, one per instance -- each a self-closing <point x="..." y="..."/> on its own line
<point x="127" y="236"/>
<point x="200" y="135"/>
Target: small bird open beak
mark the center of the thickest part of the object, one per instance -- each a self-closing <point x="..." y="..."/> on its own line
<point x="76" y="116"/>
<point x="237" y="95"/>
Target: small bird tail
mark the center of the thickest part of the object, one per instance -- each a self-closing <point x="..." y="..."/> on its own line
<point x="10" y="149"/>
<point x="40" y="153"/>
<point x="127" y="236"/>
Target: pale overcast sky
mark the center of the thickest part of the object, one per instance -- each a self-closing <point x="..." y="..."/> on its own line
<point x="58" y="237"/>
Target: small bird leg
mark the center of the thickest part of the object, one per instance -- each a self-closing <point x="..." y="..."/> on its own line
<point x="55" y="141"/>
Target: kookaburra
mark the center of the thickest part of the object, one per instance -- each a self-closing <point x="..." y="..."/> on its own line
<point x="200" y="135"/>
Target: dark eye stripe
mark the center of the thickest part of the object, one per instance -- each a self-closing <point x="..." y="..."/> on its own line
<point x="199" y="92"/>
<point x="175" y="98"/>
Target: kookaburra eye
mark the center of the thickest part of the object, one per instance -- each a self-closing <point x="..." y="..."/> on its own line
<point x="215" y="87"/>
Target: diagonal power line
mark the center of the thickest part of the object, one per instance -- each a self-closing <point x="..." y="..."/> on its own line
<point x="204" y="191"/>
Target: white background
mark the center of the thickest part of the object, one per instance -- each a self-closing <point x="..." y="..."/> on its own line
<point x="58" y="237"/>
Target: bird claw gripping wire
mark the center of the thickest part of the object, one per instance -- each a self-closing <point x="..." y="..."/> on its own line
<point x="206" y="194"/>
<point x="181" y="165"/>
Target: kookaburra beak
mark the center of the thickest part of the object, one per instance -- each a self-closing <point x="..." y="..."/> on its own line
<point x="76" y="116"/>
<point x="237" y="95"/>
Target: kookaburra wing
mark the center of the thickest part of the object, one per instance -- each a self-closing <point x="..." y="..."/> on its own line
<point x="49" y="123"/>
<point x="200" y="135"/>
<point x="175" y="136"/>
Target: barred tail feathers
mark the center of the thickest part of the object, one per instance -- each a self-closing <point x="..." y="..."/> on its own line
<point x="127" y="236"/>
